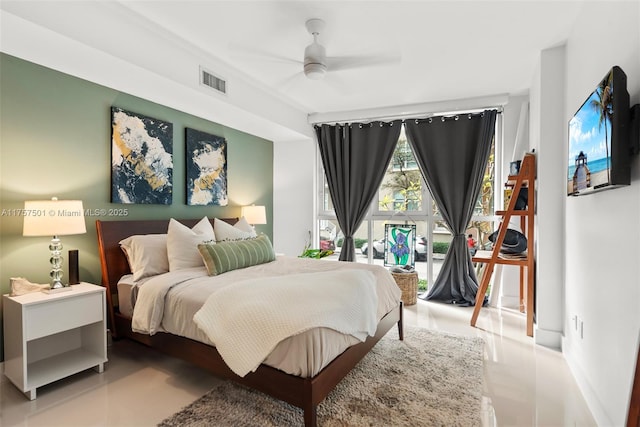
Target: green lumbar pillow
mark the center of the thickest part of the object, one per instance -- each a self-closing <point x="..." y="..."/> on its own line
<point x="226" y="256"/>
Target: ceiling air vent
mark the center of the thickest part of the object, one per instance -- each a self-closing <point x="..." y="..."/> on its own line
<point x="212" y="81"/>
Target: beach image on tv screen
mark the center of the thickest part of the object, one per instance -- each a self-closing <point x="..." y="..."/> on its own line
<point x="590" y="141"/>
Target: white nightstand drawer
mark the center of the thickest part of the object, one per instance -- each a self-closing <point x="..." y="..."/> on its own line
<point x="62" y="314"/>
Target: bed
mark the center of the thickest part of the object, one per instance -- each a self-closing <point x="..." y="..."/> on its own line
<point x="302" y="387"/>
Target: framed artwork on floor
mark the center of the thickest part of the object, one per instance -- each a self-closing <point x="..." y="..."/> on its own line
<point x="206" y="157"/>
<point x="141" y="159"/>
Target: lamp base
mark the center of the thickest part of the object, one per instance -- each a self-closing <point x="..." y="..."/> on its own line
<point x="56" y="263"/>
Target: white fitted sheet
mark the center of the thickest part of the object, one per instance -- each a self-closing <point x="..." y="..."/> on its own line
<point x="304" y="354"/>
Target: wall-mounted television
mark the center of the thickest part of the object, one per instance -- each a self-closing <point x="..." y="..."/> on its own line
<point x="599" y="138"/>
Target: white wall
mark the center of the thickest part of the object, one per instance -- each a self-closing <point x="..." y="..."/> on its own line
<point x="602" y="271"/>
<point x="293" y="195"/>
<point x="548" y="138"/>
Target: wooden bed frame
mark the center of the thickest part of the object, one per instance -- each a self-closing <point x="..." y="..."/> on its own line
<point x="305" y="393"/>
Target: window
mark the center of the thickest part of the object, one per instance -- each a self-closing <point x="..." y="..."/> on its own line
<point x="402" y="187"/>
<point x="403" y="158"/>
<point x="403" y="198"/>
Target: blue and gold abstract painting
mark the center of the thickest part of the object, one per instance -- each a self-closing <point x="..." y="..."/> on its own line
<point x="206" y="156"/>
<point x="141" y="159"/>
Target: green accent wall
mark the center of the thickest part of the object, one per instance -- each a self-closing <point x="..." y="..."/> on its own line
<point x="55" y="140"/>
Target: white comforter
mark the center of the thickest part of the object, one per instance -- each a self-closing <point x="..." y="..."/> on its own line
<point x="168" y="302"/>
<point x="247" y="320"/>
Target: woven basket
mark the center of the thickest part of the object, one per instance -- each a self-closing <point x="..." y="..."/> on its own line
<point x="408" y="284"/>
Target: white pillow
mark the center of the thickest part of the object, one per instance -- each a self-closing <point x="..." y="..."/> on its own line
<point x="243" y="225"/>
<point x="147" y="254"/>
<point x="182" y="243"/>
<point x="226" y="232"/>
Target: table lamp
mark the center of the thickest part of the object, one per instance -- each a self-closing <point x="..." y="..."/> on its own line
<point x="54" y="218"/>
<point x="254" y="214"/>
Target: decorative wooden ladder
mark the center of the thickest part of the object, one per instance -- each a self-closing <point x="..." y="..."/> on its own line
<point x="525" y="179"/>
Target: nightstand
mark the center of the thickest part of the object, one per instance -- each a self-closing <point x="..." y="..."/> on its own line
<point x="48" y="337"/>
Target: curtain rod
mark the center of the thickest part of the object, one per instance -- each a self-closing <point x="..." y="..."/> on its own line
<point x="405" y="117"/>
<point x="413" y="111"/>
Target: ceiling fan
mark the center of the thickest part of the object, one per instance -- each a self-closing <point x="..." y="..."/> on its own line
<point x="315" y="55"/>
<point x="316" y="64"/>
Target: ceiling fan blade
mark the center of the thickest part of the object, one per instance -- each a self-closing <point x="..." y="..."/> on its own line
<point x="288" y="81"/>
<point x="298" y="81"/>
<point x="338" y="84"/>
<point x="254" y="54"/>
<point x="339" y="63"/>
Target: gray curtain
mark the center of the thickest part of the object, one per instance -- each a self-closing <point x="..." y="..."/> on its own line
<point x="452" y="154"/>
<point x="355" y="158"/>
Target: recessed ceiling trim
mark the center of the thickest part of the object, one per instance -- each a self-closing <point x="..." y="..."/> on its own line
<point x="411" y="111"/>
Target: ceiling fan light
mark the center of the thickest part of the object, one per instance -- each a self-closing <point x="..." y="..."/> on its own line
<point x="315" y="71"/>
<point x="315" y="61"/>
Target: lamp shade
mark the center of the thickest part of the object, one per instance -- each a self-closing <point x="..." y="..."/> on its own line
<point x="255" y="214"/>
<point x="53" y="218"/>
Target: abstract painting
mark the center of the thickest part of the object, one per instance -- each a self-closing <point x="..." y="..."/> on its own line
<point x="206" y="156"/>
<point x="399" y="244"/>
<point x="141" y="159"/>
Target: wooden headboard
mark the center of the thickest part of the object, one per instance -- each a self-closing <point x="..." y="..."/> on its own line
<point x="113" y="261"/>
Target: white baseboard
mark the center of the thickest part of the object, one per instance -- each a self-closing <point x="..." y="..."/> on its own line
<point x="590" y="396"/>
<point x="512" y="302"/>
<point x="547" y="338"/>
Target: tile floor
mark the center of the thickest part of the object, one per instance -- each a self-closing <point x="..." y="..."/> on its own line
<point x="525" y="384"/>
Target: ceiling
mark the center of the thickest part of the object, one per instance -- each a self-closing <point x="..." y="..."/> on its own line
<point x="413" y="51"/>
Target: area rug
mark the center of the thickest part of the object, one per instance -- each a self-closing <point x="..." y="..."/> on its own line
<point x="429" y="379"/>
